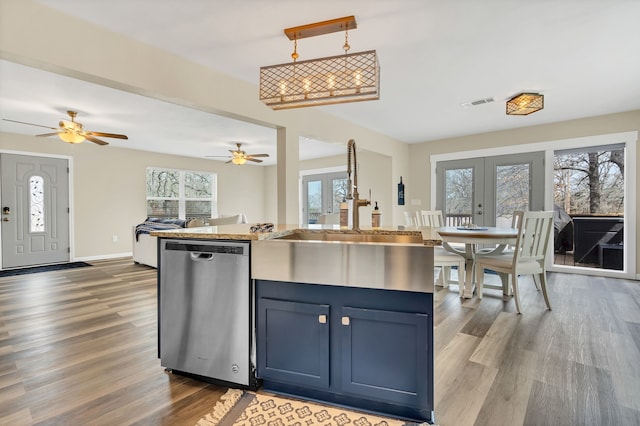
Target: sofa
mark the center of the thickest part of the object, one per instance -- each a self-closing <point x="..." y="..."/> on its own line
<point x="145" y="250"/>
<point x="227" y="219"/>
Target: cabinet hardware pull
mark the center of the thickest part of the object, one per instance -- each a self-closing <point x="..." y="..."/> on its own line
<point x="345" y="320"/>
<point x="322" y="319"/>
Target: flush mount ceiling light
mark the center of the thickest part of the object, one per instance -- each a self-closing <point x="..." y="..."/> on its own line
<point x="525" y="104"/>
<point x="350" y="77"/>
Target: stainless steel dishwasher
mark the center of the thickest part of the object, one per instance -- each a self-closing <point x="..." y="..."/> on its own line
<point x="204" y="309"/>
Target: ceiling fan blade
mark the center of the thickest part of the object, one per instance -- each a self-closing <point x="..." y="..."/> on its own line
<point x="30" y="124"/>
<point x="254" y="160"/>
<point x="227" y="162"/>
<point x="258" y="155"/>
<point x="44" y="135"/>
<point x="106" y="135"/>
<point x="95" y="140"/>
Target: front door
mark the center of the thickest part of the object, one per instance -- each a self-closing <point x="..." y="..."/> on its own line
<point x="486" y="191"/>
<point x="35" y="210"/>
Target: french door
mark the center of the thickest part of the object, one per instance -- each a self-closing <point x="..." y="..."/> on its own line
<point x="35" y="210"/>
<point x="321" y="194"/>
<point x="485" y="191"/>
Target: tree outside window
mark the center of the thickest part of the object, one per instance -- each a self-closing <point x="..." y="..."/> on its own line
<point x="590" y="181"/>
<point x="180" y="194"/>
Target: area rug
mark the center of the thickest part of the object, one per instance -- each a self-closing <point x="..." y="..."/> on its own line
<point x="46" y="268"/>
<point x="241" y="408"/>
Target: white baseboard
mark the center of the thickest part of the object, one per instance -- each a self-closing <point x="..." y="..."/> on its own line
<point x="103" y="257"/>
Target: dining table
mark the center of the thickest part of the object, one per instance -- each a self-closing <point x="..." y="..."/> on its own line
<point x="475" y="240"/>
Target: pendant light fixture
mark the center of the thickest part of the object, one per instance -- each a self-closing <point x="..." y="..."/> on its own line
<point x="350" y="77"/>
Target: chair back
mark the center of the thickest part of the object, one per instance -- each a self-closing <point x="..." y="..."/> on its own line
<point x="227" y="220"/>
<point x="408" y="220"/>
<point x="516" y="218"/>
<point x="431" y="218"/>
<point x="329" y="218"/>
<point x="534" y="231"/>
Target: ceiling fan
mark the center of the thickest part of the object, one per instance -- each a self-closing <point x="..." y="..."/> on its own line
<point x="239" y="157"/>
<point x="73" y="132"/>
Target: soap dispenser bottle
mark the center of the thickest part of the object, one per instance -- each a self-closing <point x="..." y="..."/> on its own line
<point x="344" y="214"/>
<point x="375" y="217"/>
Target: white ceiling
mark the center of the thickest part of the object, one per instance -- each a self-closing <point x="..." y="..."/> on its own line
<point x="435" y="55"/>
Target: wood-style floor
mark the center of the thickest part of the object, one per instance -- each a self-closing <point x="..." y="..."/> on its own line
<point x="78" y="347"/>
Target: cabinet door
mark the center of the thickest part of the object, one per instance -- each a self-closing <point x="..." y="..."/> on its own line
<point x="386" y="355"/>
<point x="293" y="342"/>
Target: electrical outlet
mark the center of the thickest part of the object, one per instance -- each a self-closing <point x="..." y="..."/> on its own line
<point x="114" y="238"/>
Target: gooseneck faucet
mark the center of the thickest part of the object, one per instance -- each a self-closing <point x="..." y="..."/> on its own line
<point x="353" y="189"/>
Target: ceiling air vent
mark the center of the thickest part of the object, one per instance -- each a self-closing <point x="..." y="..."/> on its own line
<point x="477" y="102"/>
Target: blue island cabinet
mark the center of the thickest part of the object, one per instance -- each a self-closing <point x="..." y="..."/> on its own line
<point x="369" y="349"/>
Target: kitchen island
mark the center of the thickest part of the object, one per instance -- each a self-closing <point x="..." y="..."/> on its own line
<point x="340" y="316"/>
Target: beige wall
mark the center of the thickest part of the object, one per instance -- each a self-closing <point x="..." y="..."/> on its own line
<point x="109" y="189"/>
<point x="374" y="172"/>
<point x="112" y="60"/>
<point x="420" y="166"/>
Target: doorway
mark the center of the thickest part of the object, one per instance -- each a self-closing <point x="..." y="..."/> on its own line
<point x="322" y="194"/>
<point x="35" y="210"/>
<point x="486" y="191"/>
<point x="589" y="198"/>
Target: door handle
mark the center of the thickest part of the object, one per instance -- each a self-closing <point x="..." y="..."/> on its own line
<point x="322" y="319"/>
<point x="345" y="321"/>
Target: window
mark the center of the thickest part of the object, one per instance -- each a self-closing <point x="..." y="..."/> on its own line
<point x="323" y="193"/>
<point x="589" y="197"/>
<point x="36" y="202"/>
<point x="590" y="181"/>
<point x="180" y="193"/>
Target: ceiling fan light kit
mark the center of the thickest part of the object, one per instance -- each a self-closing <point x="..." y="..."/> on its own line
<point x="239" y="157"/>
<point x="350" y="77"/>
<point x="70" y="137"/>
<point x="525" y="104"/>
<point x="73" y="132"/>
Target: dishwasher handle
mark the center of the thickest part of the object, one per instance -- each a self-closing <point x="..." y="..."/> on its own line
<point x="201" y="257"/>
<point x="239" y="249"/>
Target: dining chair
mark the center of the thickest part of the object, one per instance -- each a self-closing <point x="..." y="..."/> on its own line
<point x="509" y="249"/>
<point x="433" y="218"/>
<point x="418" y="219"/>
<point x="409" y="220"/>
<point x="329" y="219"/>
<point x="443" y="258"/>
<point x="528" y="257"/>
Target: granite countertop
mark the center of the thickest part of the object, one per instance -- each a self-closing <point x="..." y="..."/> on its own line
<point x="242" y="232"/>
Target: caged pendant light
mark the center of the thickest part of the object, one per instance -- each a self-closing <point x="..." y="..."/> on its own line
<point x="350" y="77"/>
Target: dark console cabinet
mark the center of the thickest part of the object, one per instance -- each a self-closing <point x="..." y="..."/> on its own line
<point x="590" y="233"/>
<point x="364" y="348"/>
